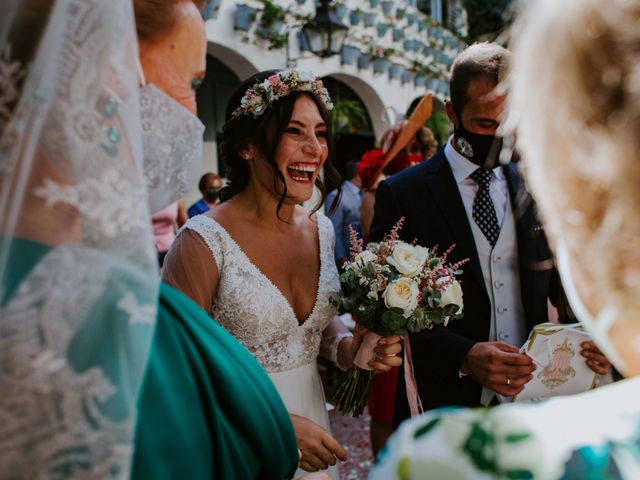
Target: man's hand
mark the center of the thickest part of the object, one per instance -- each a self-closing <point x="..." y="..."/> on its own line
<point x="499" y="366"/>
<point x="319" y="449"/>
<point x="595" y="358"/>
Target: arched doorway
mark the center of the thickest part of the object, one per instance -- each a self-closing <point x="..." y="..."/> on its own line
<point x="353" y="129"/>
<point x="212" y="97"/>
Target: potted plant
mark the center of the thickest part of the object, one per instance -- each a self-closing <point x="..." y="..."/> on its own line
<point x="364" y="61"/>
<point x="400" y="13"/>
<point x="341" y="10"/>
<point x="210" y="9"/>
<point x="411" y="19"/>
<point x="355" y="17"/>
<point x="370" y="19"/>
<point x="396" y="70"/>
<point x="374" y="3"/>
<point x="349" y="55"/>
<point x="243" y="17"/>
<point x="408" y="76"/>
<point x="347" y="116"/>
<point x="420" y="81"/>
<point x="397" y="34"/>
<point x="381" y="65"/>
<point x="382" y="29"/>
<point x="272" y="25"/>
<point x="387" y="6"/>
<point x="380" y="58"/>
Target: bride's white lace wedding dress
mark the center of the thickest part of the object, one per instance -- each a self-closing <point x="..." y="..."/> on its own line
<point x="255" y="311"/>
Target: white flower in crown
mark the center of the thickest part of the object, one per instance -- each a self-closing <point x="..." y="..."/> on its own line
<point x="306" y="76"/>
<point x="263" y="94"/>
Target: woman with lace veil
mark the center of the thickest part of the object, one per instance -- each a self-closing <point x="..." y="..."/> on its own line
<point x="575" y="104"/>
<point x="79" y="290"/>
<point x="262" y="264"/>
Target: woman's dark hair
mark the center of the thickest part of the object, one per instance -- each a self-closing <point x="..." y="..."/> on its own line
<point x="265" y="133"/>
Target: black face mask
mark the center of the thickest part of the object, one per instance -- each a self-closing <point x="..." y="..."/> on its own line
<point x="483" y="150"/>
<point x="211" y="195"/>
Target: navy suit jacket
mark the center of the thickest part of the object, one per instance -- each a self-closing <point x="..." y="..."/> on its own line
<point x="427" y="196"/>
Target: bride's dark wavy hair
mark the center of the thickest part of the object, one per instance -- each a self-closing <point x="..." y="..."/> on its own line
<point x="265" y="133"/>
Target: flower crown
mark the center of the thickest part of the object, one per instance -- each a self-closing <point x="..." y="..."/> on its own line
<point x="264" y="94"/>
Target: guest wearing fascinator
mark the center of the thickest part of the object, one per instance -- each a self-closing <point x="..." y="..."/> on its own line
<point x="421" y="147"/>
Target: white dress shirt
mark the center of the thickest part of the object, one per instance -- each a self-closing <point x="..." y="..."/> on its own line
<point x="499" y="263"/>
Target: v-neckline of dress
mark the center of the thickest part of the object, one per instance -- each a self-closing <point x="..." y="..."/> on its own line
<point x="268" y="280"/>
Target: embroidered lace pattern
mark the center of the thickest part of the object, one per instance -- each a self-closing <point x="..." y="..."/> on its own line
<point x="254" y="310"/>
<point x="75" y="333"/>
<point x="56" y="422"/>
<point x="172" y="162"/>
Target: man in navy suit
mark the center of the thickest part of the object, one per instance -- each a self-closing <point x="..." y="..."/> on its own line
<point x="462" y="196"/>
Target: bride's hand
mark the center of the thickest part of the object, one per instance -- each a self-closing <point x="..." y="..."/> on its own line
<point x="319" y="449"/>
<point x="387" y="354"/>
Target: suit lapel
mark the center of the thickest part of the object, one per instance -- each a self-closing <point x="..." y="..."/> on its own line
<point x="446" y="196"/>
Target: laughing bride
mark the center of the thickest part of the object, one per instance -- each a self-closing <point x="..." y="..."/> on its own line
<point x="262" y="265"/>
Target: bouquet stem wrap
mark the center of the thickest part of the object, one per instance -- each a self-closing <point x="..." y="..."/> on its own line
<point x="415" y="404"/>
<point x="352" y="393"/>
<point x="365" y="352"/>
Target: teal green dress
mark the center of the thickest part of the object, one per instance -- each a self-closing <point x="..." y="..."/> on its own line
<point x="206" y="409"/>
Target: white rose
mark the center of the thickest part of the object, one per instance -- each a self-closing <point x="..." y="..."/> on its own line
<point x="408" y="259"/>
<point x="402" y="293"/>
<point x="452" y="295"/>
<point x="363" y="258"/>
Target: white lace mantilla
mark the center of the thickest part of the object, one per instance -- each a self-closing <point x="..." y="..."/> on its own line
<point x="65" y="406"/>
<point x="256" y="312"/>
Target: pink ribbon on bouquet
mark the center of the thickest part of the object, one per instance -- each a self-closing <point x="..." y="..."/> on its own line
<point x="415" y="404"/>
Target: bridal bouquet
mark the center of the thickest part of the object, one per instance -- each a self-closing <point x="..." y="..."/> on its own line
<point x="393" y="288"/>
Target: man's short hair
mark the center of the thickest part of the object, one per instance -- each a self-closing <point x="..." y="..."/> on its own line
<point x="478" y="61"/>
<point x="208" y="179"/>
<point x="351" y="169"/>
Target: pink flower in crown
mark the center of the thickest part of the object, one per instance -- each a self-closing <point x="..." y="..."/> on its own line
<point x="274" y="80"/>
<point x="283" y="88"/>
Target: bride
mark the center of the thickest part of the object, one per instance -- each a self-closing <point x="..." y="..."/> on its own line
<point x="262" y="265"/>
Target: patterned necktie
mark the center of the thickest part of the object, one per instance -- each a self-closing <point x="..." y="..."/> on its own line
<point x="484" y="212"/>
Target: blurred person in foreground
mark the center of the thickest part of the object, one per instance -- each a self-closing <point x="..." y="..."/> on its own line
<point x="580" y="149"/>
<point x="209" y="185"/>
<point x="94" y="349"/>
<point x="347" y="212"/>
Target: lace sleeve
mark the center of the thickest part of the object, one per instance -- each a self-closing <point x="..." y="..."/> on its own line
<point x="331" y="338"/>
<point x="190" y="268"/>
